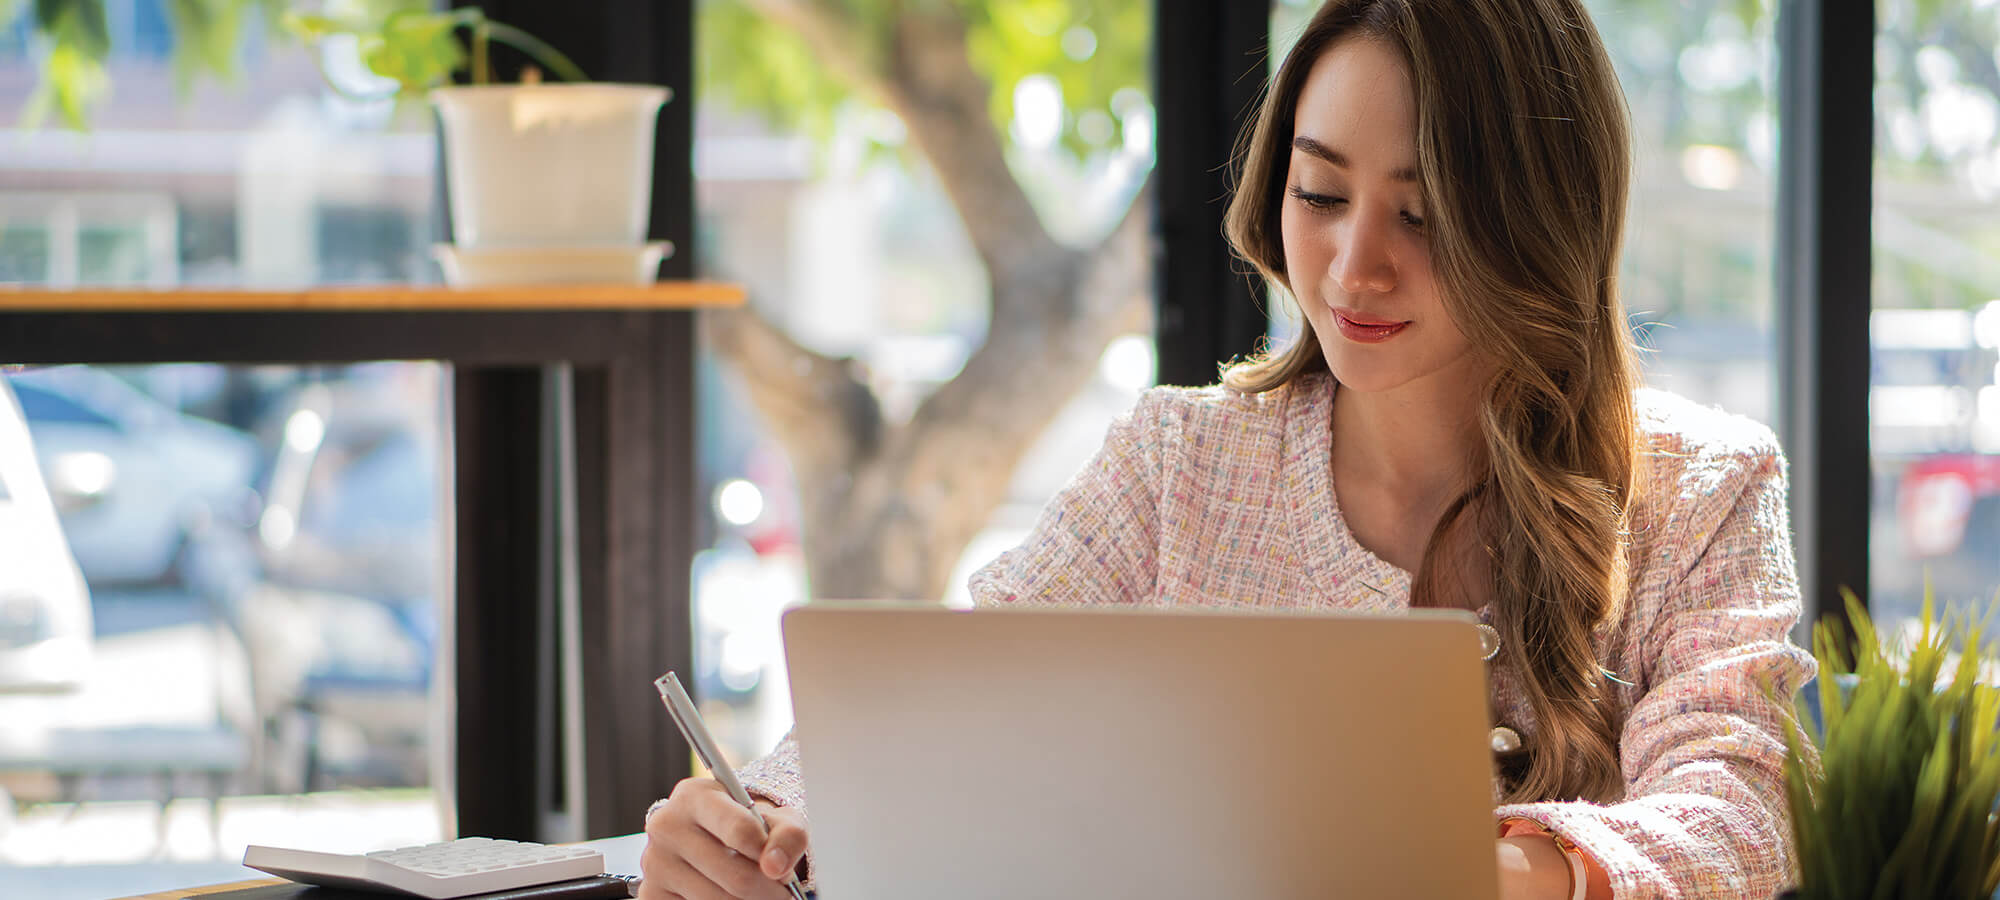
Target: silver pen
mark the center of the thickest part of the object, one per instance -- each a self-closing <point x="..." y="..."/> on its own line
<point x="681" y="707"/>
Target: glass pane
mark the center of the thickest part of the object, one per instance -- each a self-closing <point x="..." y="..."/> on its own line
<point x="220" y="616"/>
<point x="1699" y="77"/>
<point x="24" y="253"/>
<point x="1934" y="396"/>
<point x="878" y="244"/>
<point x="220" y="595"/>
<point x="111" y="255"/>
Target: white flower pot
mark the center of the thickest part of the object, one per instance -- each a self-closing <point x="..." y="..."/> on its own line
<point x="549" y="165"/>
<point x="481" y="266"/>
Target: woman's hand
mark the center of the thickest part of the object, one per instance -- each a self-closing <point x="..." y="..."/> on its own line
<point x="1532" y="867"/>
<point x="702" y="845"/>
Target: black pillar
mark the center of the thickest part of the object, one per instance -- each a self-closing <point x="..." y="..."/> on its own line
<point x="1827" y="70"/>
<point x="1209" y="65"/>
<point x="633" y="417"/>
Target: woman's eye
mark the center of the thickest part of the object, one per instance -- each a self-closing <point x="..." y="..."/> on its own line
<point x="1317" y="201"/>
<point x="1413" y="220"/>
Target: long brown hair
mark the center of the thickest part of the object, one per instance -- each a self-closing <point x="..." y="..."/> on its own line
<point x="1523" y="160"/>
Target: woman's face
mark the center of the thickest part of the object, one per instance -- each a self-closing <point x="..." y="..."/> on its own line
<point x="1356" y="251"/>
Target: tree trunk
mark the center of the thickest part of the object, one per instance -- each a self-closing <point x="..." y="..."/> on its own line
<point x="888" y="508"/>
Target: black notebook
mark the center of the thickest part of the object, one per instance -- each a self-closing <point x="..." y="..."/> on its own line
<point x="596" y="887"/>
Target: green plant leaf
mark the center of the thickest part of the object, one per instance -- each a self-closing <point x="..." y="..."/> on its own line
<point x="72" y="82"/>
<point x="416" y="50"/>
<point x="80" y="24"/>
<point x="207" y="35"/>
<point x="73" y="78"/>
<point x="419" y="49"/>
<point x="1905" y="873"/>
<point x="309" y="27"/>
<point x="1902" y="803"/>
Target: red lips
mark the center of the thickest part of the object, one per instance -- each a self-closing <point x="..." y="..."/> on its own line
<point x="1367" y="329"/>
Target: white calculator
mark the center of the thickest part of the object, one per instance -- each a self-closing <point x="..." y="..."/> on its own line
<point x="472" y="865"/>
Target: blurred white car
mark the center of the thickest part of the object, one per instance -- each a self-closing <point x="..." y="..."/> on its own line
<point x="135" y="481"/>
<point x="45" y="623"/>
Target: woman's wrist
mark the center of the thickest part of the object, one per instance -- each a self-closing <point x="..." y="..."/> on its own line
<point x="1588" y="879"/>
<point x="1534" y="867"/>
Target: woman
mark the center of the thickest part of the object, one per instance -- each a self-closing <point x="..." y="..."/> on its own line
<point x="1440" y="185"/>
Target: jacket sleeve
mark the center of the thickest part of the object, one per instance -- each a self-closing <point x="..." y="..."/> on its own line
<point x="1703" y="748"/>
<point x="775" y="775"/>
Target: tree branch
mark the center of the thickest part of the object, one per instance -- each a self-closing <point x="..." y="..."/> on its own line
<point x="922" y="71"/>
<point x="808" y="399"/>
<point x="944" y="103"/>
<point x="889" y="507"/>
<point x="999" y="403"/>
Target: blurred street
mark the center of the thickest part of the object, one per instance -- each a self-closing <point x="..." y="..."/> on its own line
<point x="163" y="667"/>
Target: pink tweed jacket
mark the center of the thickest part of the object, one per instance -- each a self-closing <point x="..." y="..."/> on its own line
<point x="1214" y="498"/>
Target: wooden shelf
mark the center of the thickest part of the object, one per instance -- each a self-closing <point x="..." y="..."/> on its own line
<point x="392" y="298"/>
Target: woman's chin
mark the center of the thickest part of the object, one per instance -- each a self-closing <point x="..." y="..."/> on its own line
<point x="1379" y="369"/>
<point x="1365" y="384"/>
<point x="1364" y="376"/>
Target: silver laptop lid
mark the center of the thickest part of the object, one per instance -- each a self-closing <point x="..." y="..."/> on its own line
<point x="1146" y="754"/>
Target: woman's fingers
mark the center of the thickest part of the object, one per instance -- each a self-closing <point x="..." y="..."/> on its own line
<point x="691" y="853"/>
<point x="787" y="843"/>
<point x="680" y="879"/>
<point x="737" y="828"/>
<point x="734" y="872"/>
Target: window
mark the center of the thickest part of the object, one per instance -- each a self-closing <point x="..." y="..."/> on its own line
<point x="828" y="209"/>
<point x="1696" y="273"/>
<point x="1934" y="397"/>
<point x="253" y="644"/>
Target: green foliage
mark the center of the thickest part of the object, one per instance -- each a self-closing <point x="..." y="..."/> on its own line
<point x="73" y="75"/>
<point x="1013" y="39"/>
<point x="208" y="34"/>
<point x="73" y="79"/>
<point x="1093" y="49"/>
<point x="403" y="41"/>
<point x="1902" y="802"/>
<point x="756" y="65"/>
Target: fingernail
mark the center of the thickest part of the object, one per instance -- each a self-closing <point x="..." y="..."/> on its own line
<point x="774" y="857"/>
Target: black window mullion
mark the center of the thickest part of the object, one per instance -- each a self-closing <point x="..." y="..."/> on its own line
<point x="1826" y="159"/>
<point x="1208" y="72"/>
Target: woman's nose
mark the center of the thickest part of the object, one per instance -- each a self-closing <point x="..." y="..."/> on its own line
<point x="1361" y="262"/>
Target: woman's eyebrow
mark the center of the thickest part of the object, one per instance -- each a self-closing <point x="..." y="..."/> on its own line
<point x="1314" y="148"/>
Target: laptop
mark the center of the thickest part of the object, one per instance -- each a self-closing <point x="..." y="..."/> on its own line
<point x="1150" y="754"/>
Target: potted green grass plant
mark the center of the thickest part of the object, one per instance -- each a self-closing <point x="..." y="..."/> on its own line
<point x="1900" y="800"/>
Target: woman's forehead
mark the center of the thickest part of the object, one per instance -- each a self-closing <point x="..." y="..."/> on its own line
<point x="1357" y="101"/>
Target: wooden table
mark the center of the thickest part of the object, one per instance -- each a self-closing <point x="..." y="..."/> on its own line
<point x="575" y="398"/>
